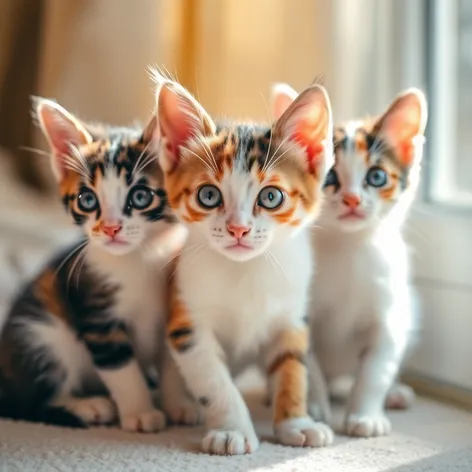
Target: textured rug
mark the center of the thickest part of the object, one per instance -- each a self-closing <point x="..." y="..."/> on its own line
<point x="429" y="437"/>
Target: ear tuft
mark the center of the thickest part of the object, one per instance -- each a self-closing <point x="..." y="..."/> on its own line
<point x="404" y="123"/>
<point x="61" y="129"/>
<point x="308" y="122"/>
<point x="181" y="118"/>
<point x="282" y="96"/>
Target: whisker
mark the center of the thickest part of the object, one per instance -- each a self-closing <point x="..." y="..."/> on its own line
<point x="194" y="253"/>
<point x="35" y="151"/>
<point x="201" y="159"/>
<point x="175" y="256"/>
<point x="281" y="155"/>
<point x="270" y="139"/>
<point x="267" y="165"/>
<point x="138" y="160"/>
<point x="208" y="152"/>
<point x="279" y="264"/>
<point x="68" y="256"/>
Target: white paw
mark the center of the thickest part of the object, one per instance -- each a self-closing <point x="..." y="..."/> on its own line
<point x="147" y="422"/>
<point x="185" y="412"/>
<point x="304" y="432"/>
<point x="400" y="397"/>
<point x="93" y="410"/>
<point x="368" y="426"/>
<point x="229" y="442"/>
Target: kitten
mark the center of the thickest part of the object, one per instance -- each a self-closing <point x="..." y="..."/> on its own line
<point x="90" y="321"/>
<point x="247" y="194"/>
<point x="362" y="311"/>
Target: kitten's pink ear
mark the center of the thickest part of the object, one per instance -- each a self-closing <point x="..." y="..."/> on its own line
<point x="404" y="123"/>
<point x="308" y="122"/>
<point x="282" y="96"/>
<point x="181" y="118"/>
<point x="62" y="130"/>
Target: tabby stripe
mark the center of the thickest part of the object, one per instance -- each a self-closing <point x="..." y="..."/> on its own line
<point x="109" y="355"/>
<point x="180" y="339"/>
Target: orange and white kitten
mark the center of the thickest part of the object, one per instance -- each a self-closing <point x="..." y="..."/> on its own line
<point x="362" y="315"/>
<point x="247" y="194"/>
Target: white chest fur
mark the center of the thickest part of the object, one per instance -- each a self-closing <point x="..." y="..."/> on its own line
<point x="141" y="298"/>
<point x="244" y="302"/>
<point x="358" y="279"/>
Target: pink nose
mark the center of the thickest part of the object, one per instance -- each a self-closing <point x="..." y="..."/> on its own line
<point x="111" y="230"/>
<point x="351" y="200"/>
<point x="237" y="231"/>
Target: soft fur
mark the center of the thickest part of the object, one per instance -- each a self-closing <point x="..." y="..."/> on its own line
<point x="362" y="315"/>
<point x="90" y="322"/>
<point x="241" y="286"/>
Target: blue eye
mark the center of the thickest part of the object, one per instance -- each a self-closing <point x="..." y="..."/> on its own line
<point x="87" y="201"/>
<point x="376" y="177"/>
<point x="331" y="179"/>
<point x="270" y="198"/>
<point x="209" y="196"/>
<point x="140" y="197"/>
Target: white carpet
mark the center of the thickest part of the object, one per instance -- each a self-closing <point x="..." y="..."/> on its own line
<point x="430" y="437"/>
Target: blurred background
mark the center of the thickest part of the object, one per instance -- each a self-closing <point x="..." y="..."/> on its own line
<point x="91" y="55"/>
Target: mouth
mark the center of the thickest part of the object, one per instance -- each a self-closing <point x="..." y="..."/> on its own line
<point x="352" y="215"/>
<point x="116" y="242"/>
<point x="241" y="247"/>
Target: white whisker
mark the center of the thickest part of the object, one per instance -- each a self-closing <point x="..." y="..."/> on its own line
<point x="210" y="168"/>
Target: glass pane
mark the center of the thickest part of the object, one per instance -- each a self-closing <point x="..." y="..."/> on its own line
<point x="464" y="97"/>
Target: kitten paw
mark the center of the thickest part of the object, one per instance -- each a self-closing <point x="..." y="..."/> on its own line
<point x="186" y="412"/>
<point x="229" y="442"/>
<point x="147" y="422"/>
<point x="92" y="410"/>
<point x="368" y="426"/>
<point x="400" y="397"/>
<point x="304" y="432"/>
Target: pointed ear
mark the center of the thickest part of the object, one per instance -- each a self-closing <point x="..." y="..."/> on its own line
<point x="181" y="118"/>
<point x="404" y="123"/>
<point x="282" y="96"/>
<point x="308" y="122"/>
<point x="62" y="130"/>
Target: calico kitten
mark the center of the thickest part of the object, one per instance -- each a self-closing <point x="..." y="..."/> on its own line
<point x="247" y="194"/>
<point x="362" y="312"/>
<point x="89" y="322"/>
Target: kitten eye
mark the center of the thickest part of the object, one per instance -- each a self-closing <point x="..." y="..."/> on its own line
<point x="270" y="198"/>
<point x="331" y="178"/>
<point x="209" y="196"/>
<point x="376" y="177"/>
<point x="87" y="201"/>
<point x="140" y="197"/>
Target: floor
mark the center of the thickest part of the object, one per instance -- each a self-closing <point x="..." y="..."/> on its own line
<point x="429" y="437"/>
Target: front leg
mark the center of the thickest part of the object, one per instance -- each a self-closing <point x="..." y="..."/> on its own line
<point x="200" y="360"/>
<point x="378" y="370"/>
<point x="113" y="356"/>
<point x="286" y="366"/>
<point x="178" y="405"/>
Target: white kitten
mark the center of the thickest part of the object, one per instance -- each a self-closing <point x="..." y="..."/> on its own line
<point x="247" y="194"/>
<point x="362" y="314"/>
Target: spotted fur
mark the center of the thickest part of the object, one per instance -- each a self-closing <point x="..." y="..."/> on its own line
<point x="89" y="324"/>
<point x="364" y="334"/>
<point x="247" y="193"/>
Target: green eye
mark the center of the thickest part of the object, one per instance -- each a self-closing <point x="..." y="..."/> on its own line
<point x="270" y="198"/>
<point x="376" y="177"/>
